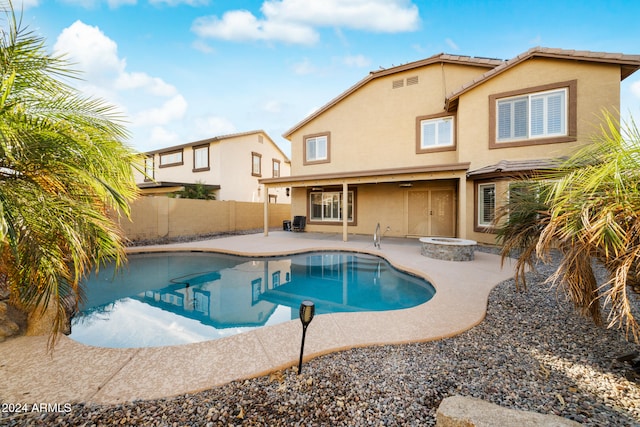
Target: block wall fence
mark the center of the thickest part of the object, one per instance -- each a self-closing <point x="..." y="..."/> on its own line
<point x="155" y="218"/>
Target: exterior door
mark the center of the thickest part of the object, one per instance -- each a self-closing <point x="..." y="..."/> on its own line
<point x="432" y="212"/>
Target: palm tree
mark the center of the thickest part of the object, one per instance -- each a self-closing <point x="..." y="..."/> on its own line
<point x="588" y="209"/>
<point x="64" y="171"/>
<point x="195" y="191"/>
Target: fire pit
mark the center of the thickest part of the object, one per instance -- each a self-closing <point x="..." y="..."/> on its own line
<point x="448" y="248"/>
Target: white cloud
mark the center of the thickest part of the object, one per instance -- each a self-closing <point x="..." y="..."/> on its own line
<point x="241" y="25"/>
<point x="179" y="2"/>
<point x="273" y="106"/>
<point x="91" y="51"/>
<point x="207" y="127"/>
<point x="357" y="61"/>
<point x="161" y="137"/>
<point x="451" y="44"/>
<point x="295" y="21"/>
<point x="25" y="4"/>
<point x="96" y="55"/>
<point x="202" y="46"/>
<point x="153" y="85"/>
<point x="371" y="15"/>
<point x="105" y="75"/>
<point x="87" y="4"/>
<point x="172" y="109"/>
<point x="114" y="4"/>
<point x="635" y="88"/>
<point x="305" y="67"/>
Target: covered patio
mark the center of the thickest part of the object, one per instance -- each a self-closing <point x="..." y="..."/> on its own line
<point x="362" y="220"/>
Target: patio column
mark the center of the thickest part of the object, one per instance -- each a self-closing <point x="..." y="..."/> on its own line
<point x="266" y="210"/>
<point x="462" y="207"/>
<point x="345" y="210"/>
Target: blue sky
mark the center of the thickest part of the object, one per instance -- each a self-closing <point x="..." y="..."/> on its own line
<point x="185" y="70"/>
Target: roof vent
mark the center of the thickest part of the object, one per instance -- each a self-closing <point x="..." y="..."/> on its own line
<point x="412" y="80"/>
<point x="397" y="83"/>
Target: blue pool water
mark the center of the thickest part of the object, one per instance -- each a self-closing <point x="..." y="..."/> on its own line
<point x="179" y="298"/>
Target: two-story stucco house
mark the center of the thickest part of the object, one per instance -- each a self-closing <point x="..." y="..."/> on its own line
<point x="429" y="148"/>
<point x="231" y="165"/>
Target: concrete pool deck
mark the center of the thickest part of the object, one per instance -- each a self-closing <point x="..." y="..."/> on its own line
<point x="80" y="373"/>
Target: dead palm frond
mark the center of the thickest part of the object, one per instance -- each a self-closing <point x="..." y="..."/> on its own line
<point x="592" y="213"/>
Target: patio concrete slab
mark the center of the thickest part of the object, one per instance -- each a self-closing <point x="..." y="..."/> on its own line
<point x="80" y="373"/>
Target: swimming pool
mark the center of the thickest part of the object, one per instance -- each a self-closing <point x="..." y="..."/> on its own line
<point x="179" y="298"/>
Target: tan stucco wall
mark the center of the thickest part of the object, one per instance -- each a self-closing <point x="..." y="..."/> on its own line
<point x="598" y="88"/>
<point x="375" y="128"/>
<point x="163" y="217"/>
<point x="384" y="203"/>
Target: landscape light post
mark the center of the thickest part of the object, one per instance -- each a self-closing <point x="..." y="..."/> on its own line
<point x="307" y="310"/>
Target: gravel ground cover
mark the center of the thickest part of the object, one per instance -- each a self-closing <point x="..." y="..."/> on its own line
<point x="532" y="352"/>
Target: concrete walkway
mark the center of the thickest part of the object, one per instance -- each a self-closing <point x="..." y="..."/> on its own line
<point x="80" y="373"/>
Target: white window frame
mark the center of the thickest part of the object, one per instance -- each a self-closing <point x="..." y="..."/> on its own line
<point x="256" y="164"/>
<point x="317" y="148"/>
<point x="481" y="220"/>
<point x="331" y="205"/>
<point x="172" y="158"/>
<point x="275" y="168"/>
<point x="532" y="131"/>
<point x="438" y="127"/>
<point x="149" y="168"/>
<point x="201" y="158"/>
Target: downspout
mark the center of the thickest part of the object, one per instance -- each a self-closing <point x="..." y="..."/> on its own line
<point x="345" y="210"/>
<point x="266" y="210"/>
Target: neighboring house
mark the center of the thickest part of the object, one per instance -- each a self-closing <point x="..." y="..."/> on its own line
<point x="230" y="165"/>
<point x="429" y="148"/>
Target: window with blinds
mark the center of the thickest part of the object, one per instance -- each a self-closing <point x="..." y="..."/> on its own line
<point x="328" y="206"/>
<point x="537" y="115"/>
<point x="486" y="204"/>
<point x="436" y="132"/>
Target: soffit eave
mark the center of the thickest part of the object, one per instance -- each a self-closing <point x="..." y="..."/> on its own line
<point x="445" y="171"/>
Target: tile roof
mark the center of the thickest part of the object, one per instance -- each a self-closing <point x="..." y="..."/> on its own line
<point x="628" y="65"/>
<point x="219" y="138"/>
<point x="514" y="166"/>
<point x="435" y="59"/>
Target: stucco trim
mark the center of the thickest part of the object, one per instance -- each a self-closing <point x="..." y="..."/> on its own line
<point x="193" y="151"/>
<point x="477" y="227"/>
<point x="486" y="63"/>
<point x="304" y="148"/>
<point x="628" y="65"/>
<point x="367" y="176"/>
<point x="168" y="165"/>
<point x="333" y="189"/>
<point x="273" y="167"/>
<point x="572" y="115"/>
<point x="253" y="156"/>
<point x="452" y="147"/>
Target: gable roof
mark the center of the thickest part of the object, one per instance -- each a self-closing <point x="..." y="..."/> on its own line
<point x="486" y="63"/>
<point x="219" y="138"/>
<point x="628" y="65"/>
